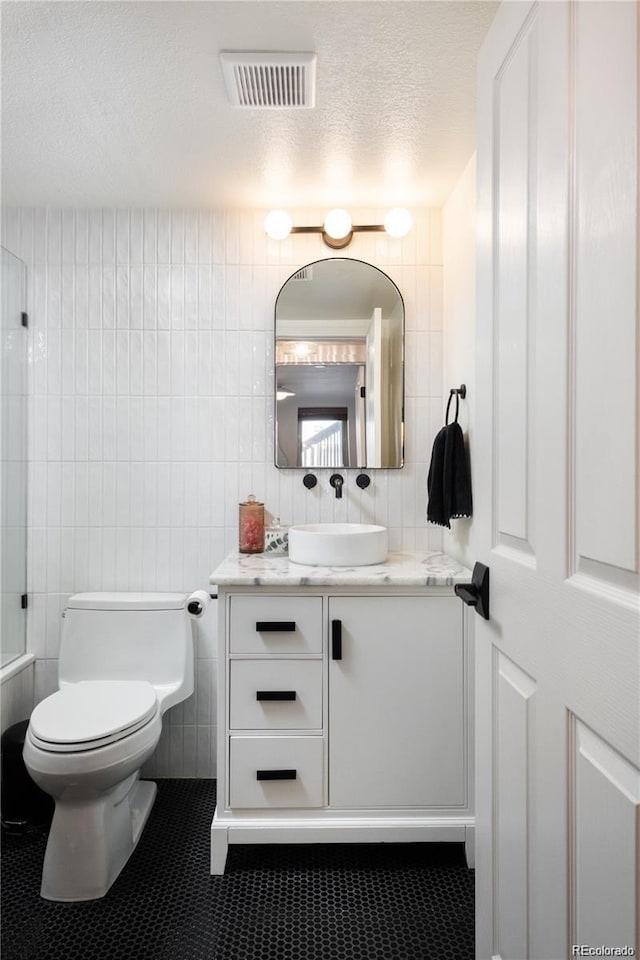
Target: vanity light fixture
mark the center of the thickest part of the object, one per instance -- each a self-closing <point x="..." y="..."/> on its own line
<point x="338" y="229"/>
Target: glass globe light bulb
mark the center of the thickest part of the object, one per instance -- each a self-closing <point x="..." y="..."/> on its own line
<point x="277" y="224"/>
<point x="337" y="224"/>
<point x="398" y="222"/>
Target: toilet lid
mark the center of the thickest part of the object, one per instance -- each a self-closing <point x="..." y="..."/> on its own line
<point x="91" y="713"/>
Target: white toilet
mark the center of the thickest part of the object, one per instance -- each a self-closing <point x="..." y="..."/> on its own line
<point x="125" y="658"/>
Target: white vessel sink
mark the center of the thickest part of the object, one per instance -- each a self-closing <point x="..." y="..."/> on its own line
<point x="338" y="544"/>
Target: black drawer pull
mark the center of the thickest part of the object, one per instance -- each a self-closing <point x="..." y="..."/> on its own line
<point x="275" y="626"/>
<point x="275" y="695"/>
<point x="276" y="774"/>
<point x="336" y="639"/>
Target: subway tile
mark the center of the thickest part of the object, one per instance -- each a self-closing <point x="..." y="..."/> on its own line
<point x="26" y="235"/>
<point x="122" y="236"/>
<point x="53" y="428"/>
<point x="178" y="237"/>
<point x="67" y="496"/>
<point x="82" y="237"/>
<point x="122" y="428"/>
<point x="435" y="236"/>
<point x="136" y="275"/>
<point x="204" y="236"/>
<point x="108" y="238"/>
<point x="150" y="242"/>
<point x="177" y="296"/>
<point x="191" y="439"/>
<point x="93" y="577"/>
<point x="67" y="296"/>
<point x="109" y="428"/>
<point x="122" y="297"/>
<point x="108" y="297"/>
<point x="40" y="236"/>
<point x="81" y="494"/>
<point x="122" y="554"/>
<point x="436" y="298"/>
<point x="136" y="540"/>
<point x="190" y="297"/>
<point x="54" y="296"/>
<point x="52" y="560"/>
<point x="67" y="560"/>
<point x="95" y="236"/>
<point x="136" y="237"/>
<point x="163" y="385"/>
<point x="54" y="237"/>
<point x="37" y="625"/>
<point x="191" y="237"/>
<point x="149" y="301"/>
<point x="81" y="293"/>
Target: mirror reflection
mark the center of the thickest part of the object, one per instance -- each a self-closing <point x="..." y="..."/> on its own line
<point x="339" y="377"/>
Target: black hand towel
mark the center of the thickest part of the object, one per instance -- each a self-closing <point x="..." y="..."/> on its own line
<point x="435" y="490"/>
<point x="448" y="483"/>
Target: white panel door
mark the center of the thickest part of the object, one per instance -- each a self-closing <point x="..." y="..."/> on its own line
<point x="556" y="482"/>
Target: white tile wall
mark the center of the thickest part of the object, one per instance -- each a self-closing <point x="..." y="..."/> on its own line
<point x="151" y="410"/>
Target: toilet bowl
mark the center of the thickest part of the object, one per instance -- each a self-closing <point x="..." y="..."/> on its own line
<point x="86" y="743"/>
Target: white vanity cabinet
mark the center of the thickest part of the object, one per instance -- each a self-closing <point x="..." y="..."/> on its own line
<point x="343" y="708"/>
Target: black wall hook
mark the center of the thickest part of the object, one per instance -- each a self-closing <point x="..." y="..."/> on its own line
<point x="456" y="392"/>
<point x="310" y="481"/>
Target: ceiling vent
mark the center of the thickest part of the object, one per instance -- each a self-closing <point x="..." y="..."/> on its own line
<point x="269" y="80"/>
<point x="305" y="274"/>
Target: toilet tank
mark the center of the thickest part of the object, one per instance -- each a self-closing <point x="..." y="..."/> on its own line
<point x="129" y="636"/>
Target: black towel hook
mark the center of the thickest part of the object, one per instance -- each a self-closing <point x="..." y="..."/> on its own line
<point x="458" y="392"/>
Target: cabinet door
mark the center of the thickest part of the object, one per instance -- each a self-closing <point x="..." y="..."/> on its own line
<point x="396" y="703"/>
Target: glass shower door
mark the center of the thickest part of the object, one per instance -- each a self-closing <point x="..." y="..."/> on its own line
<point x="13" y="463"/>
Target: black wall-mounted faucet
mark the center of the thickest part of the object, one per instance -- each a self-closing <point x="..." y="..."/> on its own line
<point x="336" y="481"/>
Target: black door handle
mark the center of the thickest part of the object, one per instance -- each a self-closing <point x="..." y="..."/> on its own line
<point x="275" y="626"/>
<point x="476" y="593"/>
<point x="276" y="774"/>
<point x="275" y="694"/>
<point x="336" y="639"/>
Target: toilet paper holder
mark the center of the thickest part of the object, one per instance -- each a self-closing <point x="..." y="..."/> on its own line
<point x="198" y="602"/>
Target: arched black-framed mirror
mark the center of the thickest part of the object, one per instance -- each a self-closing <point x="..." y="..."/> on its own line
<point x="339" y="367"/>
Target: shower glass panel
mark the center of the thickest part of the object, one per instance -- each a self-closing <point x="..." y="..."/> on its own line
<point x="13" y="465"/>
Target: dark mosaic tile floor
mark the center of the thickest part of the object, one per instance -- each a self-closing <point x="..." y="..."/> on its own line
<point x="297" y="902"/>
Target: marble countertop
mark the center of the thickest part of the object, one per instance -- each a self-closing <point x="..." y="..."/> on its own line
<point x="426" y="569"/>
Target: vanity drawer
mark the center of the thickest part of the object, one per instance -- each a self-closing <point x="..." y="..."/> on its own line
<point x="275" y="771"/>
<point x="276" y="694"/>
<point x="275" y="624"/>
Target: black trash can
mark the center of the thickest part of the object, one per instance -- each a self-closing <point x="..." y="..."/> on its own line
<point x="23" y="804"/>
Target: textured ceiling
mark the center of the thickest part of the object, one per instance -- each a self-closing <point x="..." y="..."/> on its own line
<point x="118" y="103"/>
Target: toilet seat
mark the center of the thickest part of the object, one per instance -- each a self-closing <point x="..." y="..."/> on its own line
<point x="90" y="714"/>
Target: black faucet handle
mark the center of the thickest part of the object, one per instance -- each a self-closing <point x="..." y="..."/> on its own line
<point x="337" y="480"/>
